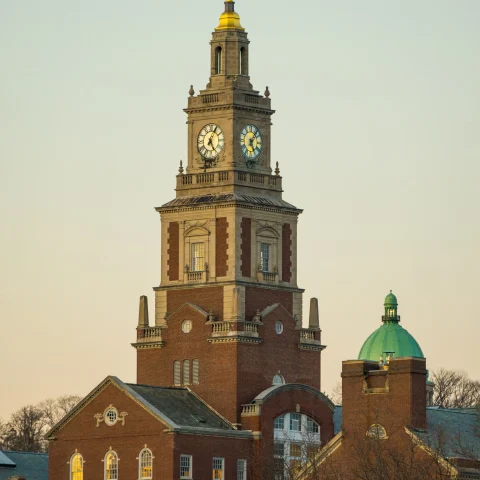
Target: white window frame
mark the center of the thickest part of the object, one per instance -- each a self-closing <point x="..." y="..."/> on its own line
<point x="110" y="452"/>
<point x="222" y="461"/>
<point x="141" y="466"/>
<point x="190" y="467"/>
<point x="267" y="236"/>
<point x="72" y="477"/>
<point x="241" y="469"/>
<point x="193" y="266"/>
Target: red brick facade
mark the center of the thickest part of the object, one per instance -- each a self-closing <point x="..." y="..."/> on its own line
<point x="286" y="252"/>
<point x="246" y="247"/>
<point x="173" y="251"/>
<point x="221" y="246"/>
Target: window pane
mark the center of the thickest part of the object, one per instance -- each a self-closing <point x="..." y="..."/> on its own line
<point x="264" y="257"/>
<point x="186" y="372"/>
<point x="146" y="461"/>
<point x="111" y="466"/>
<point x="312" y="426"/>
<point x="176" y="373"/>
<point x="76" y="466"/>
<point x="185" y="466"/>
<point x="241" y="470"/>
<point x="198" y="257"/>
<point x="217" y="469"/>
<point x="295" y="422"/>
<point x="278" y="449"/>
<point x="295" y="450"/>
<point x="195" y="372"/>
<point x="279" y="423"/>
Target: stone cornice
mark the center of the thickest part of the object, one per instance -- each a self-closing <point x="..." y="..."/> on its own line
<point x="235" y="339"/>
<point x="283" y="210"/>
<point x="228" y="107"/>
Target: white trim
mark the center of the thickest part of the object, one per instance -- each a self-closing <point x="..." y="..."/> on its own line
<point x="105" y="464"/>
<point x="144" y="450"/>
<point x="71" y="465"/>
<point x="222" y="469"/>
<point x="190" y="467"/>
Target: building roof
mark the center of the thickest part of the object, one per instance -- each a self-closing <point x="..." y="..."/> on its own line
<point x="455" y="433"/>
<point x="390" y="337"/>
<point x="178" y="408"/>
<point x="390" y="300"/>
<point x="226" y="198"/>
<point x="181" y="407"/>
<point x="32" y="466"/>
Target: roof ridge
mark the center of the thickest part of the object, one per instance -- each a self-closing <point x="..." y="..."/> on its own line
<point x="156" y="386"/>
<point x="24" y="453"/>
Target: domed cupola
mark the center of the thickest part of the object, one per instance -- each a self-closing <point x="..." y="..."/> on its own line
<point x="390" y="339"/>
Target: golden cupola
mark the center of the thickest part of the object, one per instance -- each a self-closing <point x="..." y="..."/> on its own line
<point x="229" y="19"/>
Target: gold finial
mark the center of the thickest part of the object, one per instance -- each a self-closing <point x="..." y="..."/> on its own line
<point x="229" y="19"/>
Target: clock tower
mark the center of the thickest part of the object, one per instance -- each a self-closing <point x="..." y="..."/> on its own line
<point x="228" y="310"/>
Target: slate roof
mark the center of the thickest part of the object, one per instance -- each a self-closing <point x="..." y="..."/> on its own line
<point x="453" y="432"/>
<point x="227" y="198"/>
<point x="32" y="466"/>
<point x="181" y="407"/>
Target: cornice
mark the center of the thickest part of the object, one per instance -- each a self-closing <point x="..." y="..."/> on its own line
<point x="229" y="107"/>
<point x="236" y="339"/>
<point x="282" y="210"/>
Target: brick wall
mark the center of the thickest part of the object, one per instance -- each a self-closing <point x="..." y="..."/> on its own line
<point x="258" y="298"/>
<point x="221" y="246"/>
<point x="207" y="298"/>
<point x="173" y="251"/>
<point x="246" y="247"/>
<point x="286" y="252"/>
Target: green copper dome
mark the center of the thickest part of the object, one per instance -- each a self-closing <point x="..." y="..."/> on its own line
<point x="390" y="337"/>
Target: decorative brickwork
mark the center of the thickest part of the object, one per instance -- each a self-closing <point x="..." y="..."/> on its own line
<point x="173" y="251"/>
<point x="246" y="253"/>
<point x="221" y="246"/>
<point x="257" y="298"/>
<point x="207" y="298"/>
<point x="286" y="252"/>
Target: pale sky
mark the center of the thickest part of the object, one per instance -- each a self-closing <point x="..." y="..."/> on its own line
<point x="377" y="132"/>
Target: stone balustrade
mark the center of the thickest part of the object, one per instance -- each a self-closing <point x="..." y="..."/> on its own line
<point x="149" y="335"/>
<point x="251" y="409"/>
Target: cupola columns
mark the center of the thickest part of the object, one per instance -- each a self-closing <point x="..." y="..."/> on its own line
<point x="391" y="307"/>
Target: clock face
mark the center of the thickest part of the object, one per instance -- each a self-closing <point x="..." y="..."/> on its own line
<point x="251" y="142"/>
<point x="210" y="141"/>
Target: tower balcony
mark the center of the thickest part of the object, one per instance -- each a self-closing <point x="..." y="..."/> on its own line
<point x="310" y="339"/>
<point x="149" y="337"/>
<point x="235" y="331"/>
<point x="228" y="178"/>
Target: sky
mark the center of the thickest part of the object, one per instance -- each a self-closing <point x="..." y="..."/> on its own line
<point x="377" y="132"/>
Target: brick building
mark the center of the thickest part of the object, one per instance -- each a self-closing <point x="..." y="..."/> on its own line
<point x="228" y="378"/>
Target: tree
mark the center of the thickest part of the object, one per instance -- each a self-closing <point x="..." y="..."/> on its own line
<point x="336" y="395"/>
<point x="454" y="389"/>
<point x="26" y="429"/>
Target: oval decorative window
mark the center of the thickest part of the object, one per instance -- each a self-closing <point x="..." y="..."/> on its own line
<point x="278" y="327"/>
<point x="186" y="326"/>
<point x="111" y="416"/>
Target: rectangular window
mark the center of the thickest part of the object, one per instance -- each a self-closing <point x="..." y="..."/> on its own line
<point x="186" y="372"/>
<point x="264" y="257"/>
<point x="198" y="257"/>
<point x="279" y="423"/>
<point x="312" y="426"/>
<point x="177" y="379"/>
<point x="295" y="450"/>
<point x="185" y="467"/>
<point x="218" y="468"/>
<point x="295" y="422"/>
<point x="278" y="449"/>
<point x="312" y="450"/>
<point x="195" y="372"/>
<point x="241" y="470"/>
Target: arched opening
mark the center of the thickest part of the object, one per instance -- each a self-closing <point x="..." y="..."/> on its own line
<point x="111" y="466"/>
<point x="76" y="467"/>
<point x="145" y="464"/>
<point x="218" y="60"/>
<point x="296" y="441"/>
<point x="243" y="61"/>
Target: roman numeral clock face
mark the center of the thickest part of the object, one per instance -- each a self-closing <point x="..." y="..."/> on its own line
<point x="251" y="142"/>
<point x="210" y="142"/>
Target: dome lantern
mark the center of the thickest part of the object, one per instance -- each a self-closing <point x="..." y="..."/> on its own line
<point x="229" y="20"/>
<point x="391" y="307"/>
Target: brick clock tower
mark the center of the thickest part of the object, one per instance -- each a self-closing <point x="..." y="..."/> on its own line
<point x="228" y="311"/>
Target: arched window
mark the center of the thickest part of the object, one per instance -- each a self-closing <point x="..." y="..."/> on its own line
<point x="243" y="59"/>
<point x="377" y="431"/>
<point x="177" y="379"/>
<point x="76" y="467"/>
<point x="111" y="466"/>
<point x="195" y="372"/>
<point x="218" y="60"/>
<point x="186" y="372"/>
<point x="145" y="464"/>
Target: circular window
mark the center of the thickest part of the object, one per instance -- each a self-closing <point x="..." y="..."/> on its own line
<point x="186" y="326"/>
<point x="278" y="327"/>
<point x="111" y="416"/>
